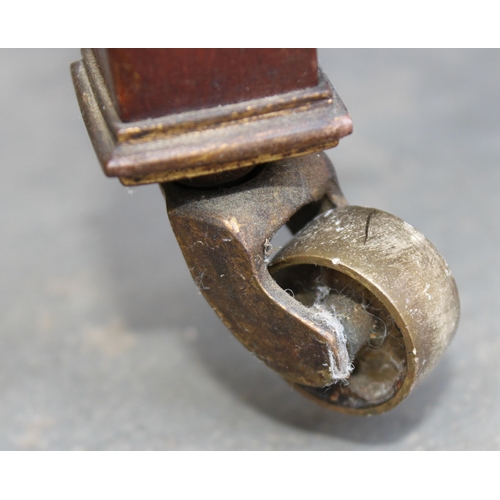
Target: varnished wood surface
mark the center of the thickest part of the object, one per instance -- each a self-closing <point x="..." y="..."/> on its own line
<point x="149" y="83"/>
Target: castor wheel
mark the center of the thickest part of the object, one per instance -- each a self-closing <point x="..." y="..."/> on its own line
<point x="384" y="290"/>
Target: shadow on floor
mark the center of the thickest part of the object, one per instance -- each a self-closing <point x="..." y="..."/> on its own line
<point x="255" y="384"/>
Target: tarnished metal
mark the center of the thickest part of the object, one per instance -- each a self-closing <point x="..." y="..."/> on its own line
<point x="361" y="305"/>
<point x="390" y="289"/>
<point x="224" y="235"/>
<point x="207" y="141"/>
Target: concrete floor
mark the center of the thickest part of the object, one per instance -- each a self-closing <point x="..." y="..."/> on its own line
<point x="105" y="342"/>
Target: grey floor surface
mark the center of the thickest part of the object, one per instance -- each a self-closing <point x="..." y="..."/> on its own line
<point x="105" y="342"/>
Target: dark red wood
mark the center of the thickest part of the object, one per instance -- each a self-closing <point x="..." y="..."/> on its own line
<point x="148" y="83"/>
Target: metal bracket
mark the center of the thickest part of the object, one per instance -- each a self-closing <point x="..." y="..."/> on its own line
<point x="224" y="235"/>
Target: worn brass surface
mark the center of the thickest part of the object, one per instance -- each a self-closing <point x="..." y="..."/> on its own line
<point x="224" y="235"/>
<point x="390" y="288"/>
<point x="391" y="291"/>
<point x="207" y="141"/>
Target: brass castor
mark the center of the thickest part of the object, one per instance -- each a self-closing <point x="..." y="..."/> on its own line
<point x="353" y="311"/>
